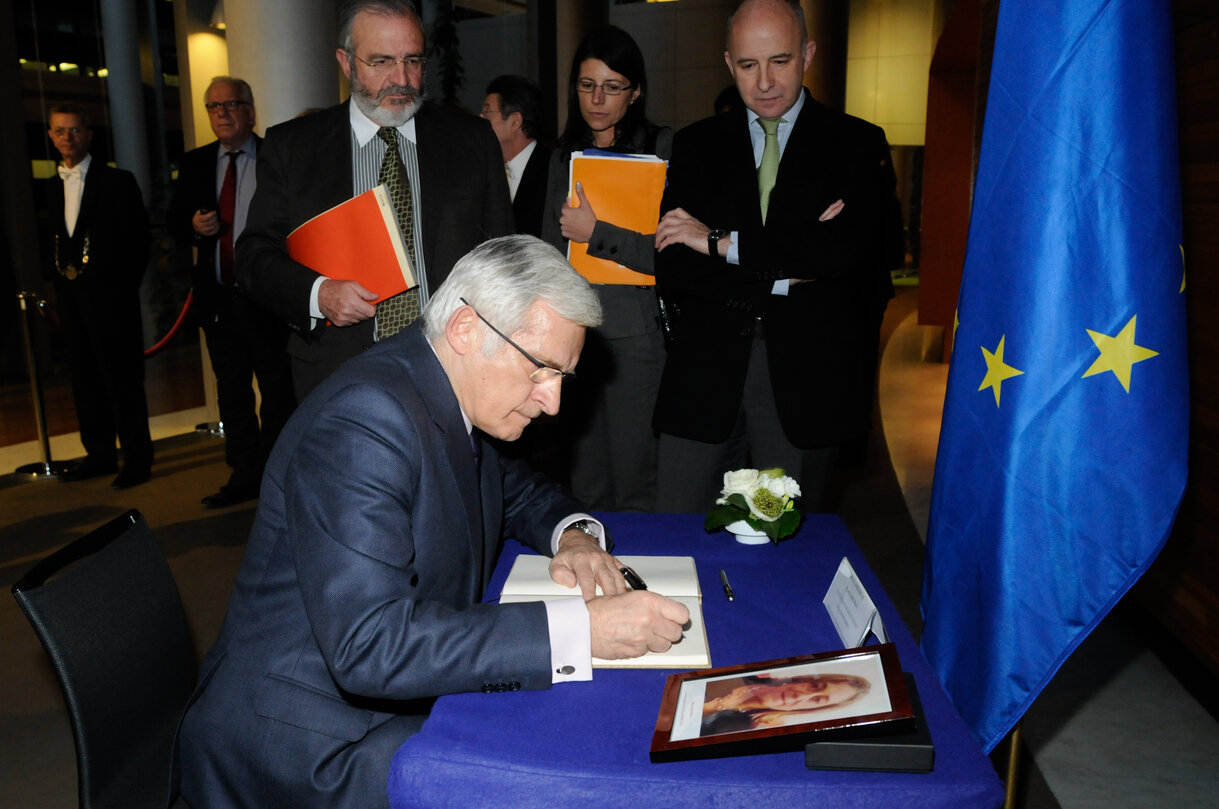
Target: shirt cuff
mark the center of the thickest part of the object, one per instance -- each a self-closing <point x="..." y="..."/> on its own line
<point x="780" y="286"/>
<point x="315" y="310"/>
<point x="733" y="255"/>
<point x="571" y="642"/>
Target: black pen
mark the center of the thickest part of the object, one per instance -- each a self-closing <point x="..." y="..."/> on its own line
<point x="727" y="586"/>
<point x="632" y="579"/>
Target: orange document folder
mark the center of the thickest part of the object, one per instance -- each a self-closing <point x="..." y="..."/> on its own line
<point x="357" y="240"/>
<point x="624" y="191"/>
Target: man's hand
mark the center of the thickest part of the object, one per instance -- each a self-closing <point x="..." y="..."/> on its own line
<point x="581" y="561"/>
<point x="576" y="224"/>
<point x="679" y="227"/>
<point x="631" y="624"/>
<point x="345" y="302"/>
<point x="206" y="223"/>
<point x="829" y="213"/>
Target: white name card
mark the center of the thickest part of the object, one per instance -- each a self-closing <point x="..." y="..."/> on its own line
<point x="851" y="608"/>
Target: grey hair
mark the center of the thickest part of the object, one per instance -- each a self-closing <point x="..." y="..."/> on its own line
<point x="793" y="6"/>
<point x="502" y="278"/>
<point x="350" y="9"/>
<point x="240" y="85"/>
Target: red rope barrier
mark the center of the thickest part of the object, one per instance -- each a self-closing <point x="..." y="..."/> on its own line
<point x="164" y="341"/>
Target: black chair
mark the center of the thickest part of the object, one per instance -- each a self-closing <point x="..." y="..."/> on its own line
<point x="108" y="613"/>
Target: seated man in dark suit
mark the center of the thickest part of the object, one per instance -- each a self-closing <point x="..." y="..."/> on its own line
<point x="514" y="107"/>
<point x="381" y="517"/>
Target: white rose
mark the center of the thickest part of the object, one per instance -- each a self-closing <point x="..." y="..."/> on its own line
<point x="740" y="481"/>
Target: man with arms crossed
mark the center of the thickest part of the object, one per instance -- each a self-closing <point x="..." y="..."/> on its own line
<point x="779" y="231"/>
<point x="382" y="515"/>
<point x="452" y="177"/>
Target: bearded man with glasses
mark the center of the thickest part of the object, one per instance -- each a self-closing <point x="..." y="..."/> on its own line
<point x="442" y="166"/>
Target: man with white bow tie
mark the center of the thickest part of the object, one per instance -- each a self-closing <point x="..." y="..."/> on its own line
<point x="95" y="241"/>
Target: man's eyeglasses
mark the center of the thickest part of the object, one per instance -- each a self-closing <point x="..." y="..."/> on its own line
<point x="216" y="106"/>
<point x="60" y="131"/>
<point x="544" y="372"/>
<point x="383" y="65"/>
<point x="610" y="88"/>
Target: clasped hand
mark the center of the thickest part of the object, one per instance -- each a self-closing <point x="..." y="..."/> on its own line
<point x="576" y="224"/>
<point x="624" y="623"/>
<point x="345" y="302"/>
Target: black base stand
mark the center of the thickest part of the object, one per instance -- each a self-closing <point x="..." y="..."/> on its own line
<point x="909" y="751"/>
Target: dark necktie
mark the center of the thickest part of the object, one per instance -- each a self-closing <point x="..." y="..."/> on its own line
<point x="396" y="313"/>
<point x="768" y="169"/>
<point x="476" y="447"/>
<point x="226" y="206"/>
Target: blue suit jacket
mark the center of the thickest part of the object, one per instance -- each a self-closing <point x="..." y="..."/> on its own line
<point x="358" y="598"/>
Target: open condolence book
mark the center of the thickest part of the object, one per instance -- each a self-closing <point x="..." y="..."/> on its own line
<point x="671" y="576"/>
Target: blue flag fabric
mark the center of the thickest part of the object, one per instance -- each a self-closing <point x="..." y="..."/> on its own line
<point x="1062" y="456"/>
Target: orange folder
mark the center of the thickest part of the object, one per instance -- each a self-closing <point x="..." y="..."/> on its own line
<point x="357" y="240"/>
<point x="624" y="191"/>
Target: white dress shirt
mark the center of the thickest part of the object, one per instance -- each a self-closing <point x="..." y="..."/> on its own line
<point x="73" y="189"/>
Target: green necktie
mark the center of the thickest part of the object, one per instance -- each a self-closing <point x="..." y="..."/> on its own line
<point x="396" y="313"/>
<point x="768" y="169"/>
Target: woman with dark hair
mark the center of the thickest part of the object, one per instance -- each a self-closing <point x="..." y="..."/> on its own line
<point x="608" y="418"/>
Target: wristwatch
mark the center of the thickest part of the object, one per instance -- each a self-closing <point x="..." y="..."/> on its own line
<point x="582" y="525"/>
<point x="713" y="237"/>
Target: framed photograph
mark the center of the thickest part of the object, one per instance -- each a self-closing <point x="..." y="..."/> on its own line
<point x="782" y="704"/>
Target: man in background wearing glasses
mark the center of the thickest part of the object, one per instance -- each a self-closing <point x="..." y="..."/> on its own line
<point x="446" y="165"/>
<point x="244" y="340"/>
<point x="379" y="526"/>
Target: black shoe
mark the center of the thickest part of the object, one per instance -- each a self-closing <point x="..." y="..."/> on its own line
<point x="90" y="467"/>
<point x="229" y="496"/>
<point x="131" y="476"/>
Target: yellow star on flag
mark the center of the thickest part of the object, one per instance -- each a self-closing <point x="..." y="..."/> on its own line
<point x="997" y="370"/>
<point x="1118" y="354"/>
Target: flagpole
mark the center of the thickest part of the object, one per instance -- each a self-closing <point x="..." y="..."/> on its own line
<point x="1013" y="762"/>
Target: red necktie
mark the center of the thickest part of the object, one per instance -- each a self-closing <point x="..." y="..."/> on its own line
<point x="226" y="205"/>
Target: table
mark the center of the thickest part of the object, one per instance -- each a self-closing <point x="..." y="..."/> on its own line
<point x="586" y="744"/>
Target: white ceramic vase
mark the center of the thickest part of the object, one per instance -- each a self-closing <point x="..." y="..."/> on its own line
<point x="746" y="534"/>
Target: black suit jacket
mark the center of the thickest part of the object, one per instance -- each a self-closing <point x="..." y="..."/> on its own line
<point x="304" y="168"/>
<point x="196" y="190"/>
<point x="358" y="598"/>
<point x="113" y="219"/>
<point x="822" y="337"/>
<point x="530" y="196"/>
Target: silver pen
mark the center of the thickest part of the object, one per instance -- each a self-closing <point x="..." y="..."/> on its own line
<point x="727" y="586"/>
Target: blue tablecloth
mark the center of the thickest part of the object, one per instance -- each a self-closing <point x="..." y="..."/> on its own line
<point x="586" y="744"/>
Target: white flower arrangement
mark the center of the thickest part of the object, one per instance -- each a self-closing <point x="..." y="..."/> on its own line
<point x="763" y="498"/>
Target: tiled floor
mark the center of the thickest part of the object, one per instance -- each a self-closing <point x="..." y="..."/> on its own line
<point x="1115" y="729"/>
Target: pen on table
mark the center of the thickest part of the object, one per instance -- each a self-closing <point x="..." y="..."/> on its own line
<point x="727" y="586"/>
<point x="632" y="579"/>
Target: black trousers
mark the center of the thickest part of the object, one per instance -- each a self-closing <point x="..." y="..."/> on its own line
<point x="245" y="342"/>
<point x="104" y="337"/>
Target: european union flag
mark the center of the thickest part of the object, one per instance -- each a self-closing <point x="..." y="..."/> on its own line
<point x="1062" y="456"/>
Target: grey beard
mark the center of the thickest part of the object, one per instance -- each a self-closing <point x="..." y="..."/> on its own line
<point x="385" y="115"/>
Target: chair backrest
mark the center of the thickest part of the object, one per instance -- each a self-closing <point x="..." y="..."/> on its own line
<point x="109" y="616"/>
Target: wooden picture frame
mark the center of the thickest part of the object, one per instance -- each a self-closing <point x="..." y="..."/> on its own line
<point x="778" y="705"/>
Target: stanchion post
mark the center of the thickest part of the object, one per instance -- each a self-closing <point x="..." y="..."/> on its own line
<point x="1013" y="768"/>
<point x="29" y="301"/>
